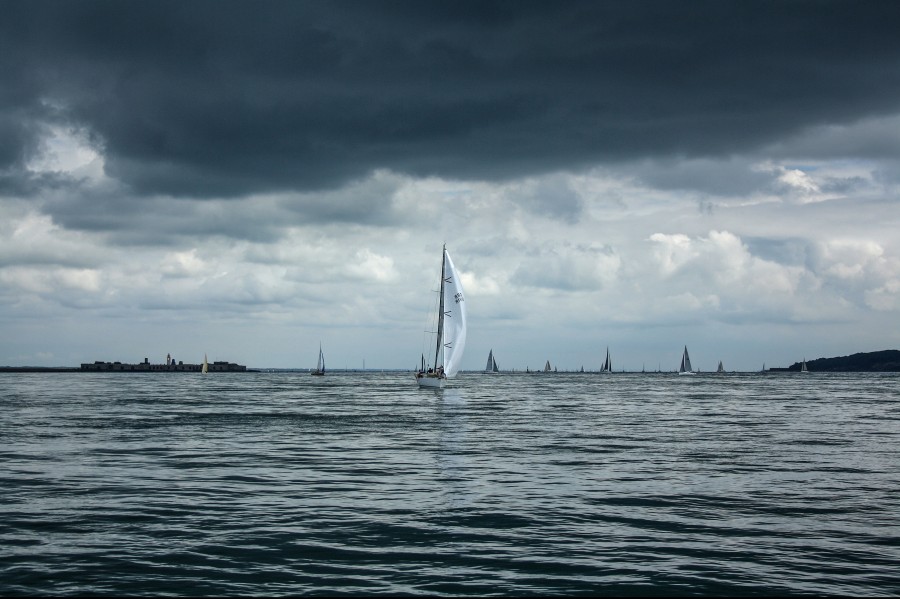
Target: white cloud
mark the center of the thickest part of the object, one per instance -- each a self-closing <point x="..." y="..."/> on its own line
<point x="480" y="286"/>
<point x="366" y="264"/>
<point x="798" y="179"/>
<point x="65" y="149"/>
<point x="184" y="264"/>
<point x="885" y="298"/>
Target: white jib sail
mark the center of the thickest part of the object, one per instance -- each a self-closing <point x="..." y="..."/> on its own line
<point x="454" y="318"/>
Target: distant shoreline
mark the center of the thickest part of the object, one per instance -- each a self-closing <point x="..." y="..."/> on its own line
<point x="39" y="369"/>
<point x="73" y="369"/>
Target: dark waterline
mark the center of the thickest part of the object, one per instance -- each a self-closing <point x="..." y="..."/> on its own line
<point x="359" y="483"/>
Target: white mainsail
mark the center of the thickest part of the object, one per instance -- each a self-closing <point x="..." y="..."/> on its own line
<point x="205" y="368"/>
<point x="454" y="317"/>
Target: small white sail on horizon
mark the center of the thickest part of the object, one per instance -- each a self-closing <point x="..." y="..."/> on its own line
<point x="685" y="367"/>
<point x="451" y="330"/>
<point x="803" y="367"/>
<point x="205" y="368"/>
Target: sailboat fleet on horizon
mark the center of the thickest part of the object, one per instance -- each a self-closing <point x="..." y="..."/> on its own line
<point x="450" y="339"/>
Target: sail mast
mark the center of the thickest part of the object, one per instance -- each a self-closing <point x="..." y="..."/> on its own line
<point x="440" y="329"/>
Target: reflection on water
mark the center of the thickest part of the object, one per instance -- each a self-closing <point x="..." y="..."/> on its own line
<point x="451" y="448"/>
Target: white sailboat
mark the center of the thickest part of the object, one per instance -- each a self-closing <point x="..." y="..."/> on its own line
<point x="491" y="366"/>
<point x="205" y="368"/>
<point x="320" y="365"/>
<point x="685" y="367"/>
<point x="803" y="366"/>
<point x="607" y="364"/>
<point x="451" y="329"/>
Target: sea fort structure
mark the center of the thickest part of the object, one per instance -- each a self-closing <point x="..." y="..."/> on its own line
<point x="170" y="366"/>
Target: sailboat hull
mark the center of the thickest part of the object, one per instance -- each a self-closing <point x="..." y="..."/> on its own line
<point x="430" y="382"/>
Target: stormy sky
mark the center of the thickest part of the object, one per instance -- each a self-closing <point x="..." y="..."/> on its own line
<point x="247" y="179"/>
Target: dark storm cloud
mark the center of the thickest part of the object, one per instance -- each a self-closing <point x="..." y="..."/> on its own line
<point x="226" y="98"/>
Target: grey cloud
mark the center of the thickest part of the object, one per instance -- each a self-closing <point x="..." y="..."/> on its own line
<point x="553" y="197"/>
<point x="568" y="267"/>
<point x="367" y="202"/>
<point x="789" y="252"/>
<point x="724" y="177"/>
<point x="126" y="220"/>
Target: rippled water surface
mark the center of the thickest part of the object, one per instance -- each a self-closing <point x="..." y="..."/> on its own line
<point x="511" y="484"/>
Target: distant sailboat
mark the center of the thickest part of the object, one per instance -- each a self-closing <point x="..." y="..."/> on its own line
<point x="320" y="365"/>
<point x="685" y="367"/>
<point x="451" y="328"/>
<point x="720" y="368"/>
<point x="547" y="366"/>
<point x="607" y="365"/>
<point x="205" y="368"/>
<point x="803" y="366"/>
<point x="491" y="366"/>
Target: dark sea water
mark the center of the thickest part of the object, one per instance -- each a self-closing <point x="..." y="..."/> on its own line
<point x="511" y="484"/>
